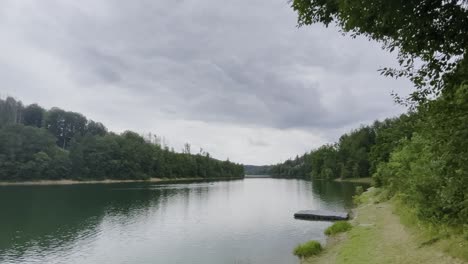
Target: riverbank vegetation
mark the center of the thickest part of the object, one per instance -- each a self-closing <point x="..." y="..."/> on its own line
<point x="355" y="155"/>
<point x="308" y="249"/>
<point x="338" y="227"/>
<point x="387" y="231"/>
<point x="314" y="248"/>
<point x="40" y="144"/>
<point x="420" y="156"/>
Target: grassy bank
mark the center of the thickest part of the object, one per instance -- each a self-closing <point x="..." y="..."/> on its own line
<point x="386" y="232"/>
<point x="110" y="181"/>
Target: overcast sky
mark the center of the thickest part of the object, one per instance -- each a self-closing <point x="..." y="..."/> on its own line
<point x="236" y="77"/>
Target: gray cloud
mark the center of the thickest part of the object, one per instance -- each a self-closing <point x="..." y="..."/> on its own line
<point x="236" y="63"/>
<point x="258" y="142"/>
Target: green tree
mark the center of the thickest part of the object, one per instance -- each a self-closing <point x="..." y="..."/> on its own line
<point x="95" y="128"/>
<point x="389" y="134"/>
<point x="33" y="115"/>
<point x="423" y="155"/>
<point x="433" y="32"/>
<point x="353" y="152"/>
<point x="26" y="153"/>
<point x="10" y="111"/>
<point x="65" y="125"/>
<point x="69" y="146"/>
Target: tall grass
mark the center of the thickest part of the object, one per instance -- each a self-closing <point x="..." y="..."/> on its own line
<point x="308" y="249"/>
<point x="338" y="227"/>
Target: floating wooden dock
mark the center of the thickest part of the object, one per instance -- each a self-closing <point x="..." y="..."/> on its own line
<point x="321" y="215"/>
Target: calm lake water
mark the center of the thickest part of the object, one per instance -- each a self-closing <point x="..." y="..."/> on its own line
<point x="224" y="222"/>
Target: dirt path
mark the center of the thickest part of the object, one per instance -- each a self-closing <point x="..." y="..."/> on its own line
<point x="379" y="237"/>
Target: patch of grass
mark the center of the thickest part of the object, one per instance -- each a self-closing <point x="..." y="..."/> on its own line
<point x="360" y="249"/>
<point x="386" y="231"/>
<point x="308" y="249"/>
<point x="372" y="195"/>
<point x="338" y="227"/>
<point x="448" y="239"/>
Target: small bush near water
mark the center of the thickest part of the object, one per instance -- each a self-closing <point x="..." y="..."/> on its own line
<point x="308" y="249"/>
<point x="338" y="227"/>
<point x="359" y="190"/>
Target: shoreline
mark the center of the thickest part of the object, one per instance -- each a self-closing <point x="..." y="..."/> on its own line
<point x="380" y="222"/>
<point x="367" y="180"/>
<point x="108" y="181"/>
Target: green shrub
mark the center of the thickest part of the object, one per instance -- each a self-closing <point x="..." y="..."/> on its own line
<point x="465" y="231"/>
<point x="358" y="195"/>
<point x="308" y="249"/>
<point x="359" y="190"/>
<point x="338" y="227"/>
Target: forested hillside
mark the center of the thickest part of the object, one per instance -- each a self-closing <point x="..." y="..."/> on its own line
<point x="36" y="144"/>
<point x="421" y="156"/>
<point x="355" y="155"/>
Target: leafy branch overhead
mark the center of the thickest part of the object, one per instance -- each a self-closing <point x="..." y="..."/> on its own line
<point x="431" y="36"/>
<point x="420" y="156"/>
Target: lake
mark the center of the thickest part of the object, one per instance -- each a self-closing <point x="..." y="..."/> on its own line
<point x="223" y="222"/>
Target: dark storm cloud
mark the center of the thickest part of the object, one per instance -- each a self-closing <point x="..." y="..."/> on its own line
<point x="241" y="62"/>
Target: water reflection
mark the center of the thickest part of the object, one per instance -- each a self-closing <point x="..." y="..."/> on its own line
<point x="339" y="194"/>
<point x="221" y="222"/>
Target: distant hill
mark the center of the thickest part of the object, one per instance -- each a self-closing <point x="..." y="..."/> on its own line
<point x="257" y="170"/>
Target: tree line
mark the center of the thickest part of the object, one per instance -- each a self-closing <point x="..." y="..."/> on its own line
<point x="37" y="144"/>
<point x="257" y="169"/>
<point x="356" y="154"/>
<point x="421" y="156"/>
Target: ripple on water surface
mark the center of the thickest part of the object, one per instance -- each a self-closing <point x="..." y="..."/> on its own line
<point x="243" y="221"/>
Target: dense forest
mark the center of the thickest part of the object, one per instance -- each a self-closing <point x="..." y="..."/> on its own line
<point x="37" y="144"/>
<point x="421" y="156"/>
<point x="357" y="154"/>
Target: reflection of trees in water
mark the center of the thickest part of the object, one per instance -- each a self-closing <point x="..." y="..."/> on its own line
<point x="335" y="192"/>
<point x="45" y="217"/>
